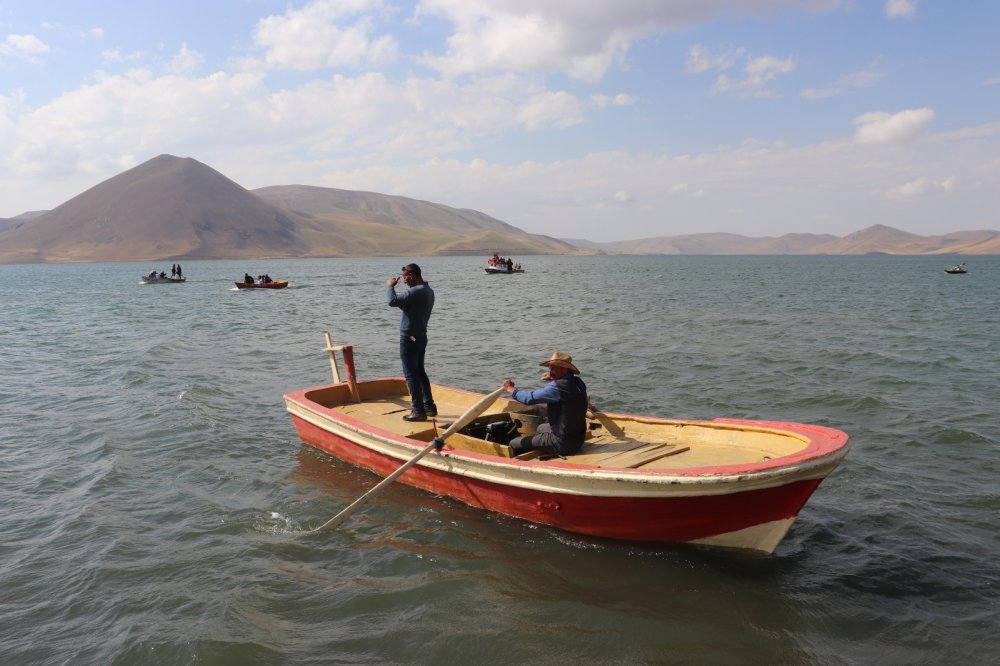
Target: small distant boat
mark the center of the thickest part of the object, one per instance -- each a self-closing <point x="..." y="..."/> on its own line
<point x="156" y="279"/>
<point x="955" y="270"/>
<point x="274" y="284"/>
<point x="733" y="483"/>
<point x="504" y="271"/>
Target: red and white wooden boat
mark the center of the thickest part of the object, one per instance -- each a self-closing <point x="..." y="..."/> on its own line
<point x="727" y="482"/>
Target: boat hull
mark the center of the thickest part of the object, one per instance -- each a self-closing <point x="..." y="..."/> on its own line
<point x="145" y="279"/>
<point x="277" y="284"/>
<point x="501" y="271"/>
<point x="736" y="508"/>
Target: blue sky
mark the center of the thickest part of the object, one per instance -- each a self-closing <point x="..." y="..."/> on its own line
<point x="598" y="119"/>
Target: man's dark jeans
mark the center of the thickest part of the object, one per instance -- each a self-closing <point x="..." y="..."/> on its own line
<point x="411" y="353"/>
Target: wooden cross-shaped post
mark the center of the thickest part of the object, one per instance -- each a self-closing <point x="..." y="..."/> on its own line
<point x="348" y="352"/>
<point x="330" y="349"/>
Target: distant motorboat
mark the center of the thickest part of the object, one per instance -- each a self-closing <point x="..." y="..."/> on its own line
<point x="496" y="269"/>
<point x="955" y="270"/>
<point x="274" y="284"/>
<point x="156" y="279"/>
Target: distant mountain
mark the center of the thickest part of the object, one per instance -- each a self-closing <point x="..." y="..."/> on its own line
<point x="11" y="222"/>
<point x="876" y="239"/>
<point x="178" y="208"/>
<point x="880" y="238"/>
<point x="370" y="223"/>
<point x="718" y="243"/>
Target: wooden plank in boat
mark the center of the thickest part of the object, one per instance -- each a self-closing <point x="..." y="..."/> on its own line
<point x="626" y="454"/>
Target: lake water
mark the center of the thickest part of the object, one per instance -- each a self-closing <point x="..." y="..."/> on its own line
<point x="155" y="495"/>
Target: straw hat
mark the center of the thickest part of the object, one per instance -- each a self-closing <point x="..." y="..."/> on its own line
<point x="563" y="360"/>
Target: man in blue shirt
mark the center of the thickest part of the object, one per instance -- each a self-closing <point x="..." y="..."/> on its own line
<point x="566" y="399"/>
<point x="416" y="304"/>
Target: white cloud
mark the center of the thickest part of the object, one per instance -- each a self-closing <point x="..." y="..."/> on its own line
<point x="311" y="37"/>
<point x="759" y="72"/>
<point x="605" y="101"/>
<point x="559" y="109"/>
<point x="496" y="38"/>
<point x="895" y="9"/>
<point x="888" y="128"/>
<point x="185" y="62"/>
<point x="700" y="59"/>
<point x="116" y="56"/>
<point x="23" y="46"/>
<point x="581" y="39"/>
<point x="854" y="81"/>
<point x="921" y="187"/>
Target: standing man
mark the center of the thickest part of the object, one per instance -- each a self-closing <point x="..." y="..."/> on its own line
<point x="416" y="304"/>
<point x="565" y="397"/>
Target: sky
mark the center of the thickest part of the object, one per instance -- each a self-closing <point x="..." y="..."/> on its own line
<point x="595" y="119"/>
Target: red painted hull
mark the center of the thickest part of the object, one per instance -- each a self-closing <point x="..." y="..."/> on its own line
<point x="649" y="519"/>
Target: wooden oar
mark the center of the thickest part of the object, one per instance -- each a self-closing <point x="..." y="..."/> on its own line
<point x="438" y="441"/>
<point x="605" y="421"/>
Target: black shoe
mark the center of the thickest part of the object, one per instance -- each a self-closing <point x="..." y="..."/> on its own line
<point x="431" y="410"/>
<point x="415" y="416"/>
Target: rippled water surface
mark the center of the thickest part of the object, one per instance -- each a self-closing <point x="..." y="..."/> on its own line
<point x="155" y="495"/>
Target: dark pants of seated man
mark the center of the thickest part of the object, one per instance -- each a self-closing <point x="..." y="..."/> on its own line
<point x="544" y="440"/>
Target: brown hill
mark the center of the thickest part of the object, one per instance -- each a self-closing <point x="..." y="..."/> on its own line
<point x="11" y="222"/>
<point x="880" y="238"/>
<point x="166" y="208"/>
<point x="719" y="243"/>
<point x="876" y="239"/>
<point x="178" y="208"/>
<point x="372" y="223"/>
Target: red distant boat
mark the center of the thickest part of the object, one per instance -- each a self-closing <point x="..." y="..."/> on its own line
<point x="728" y="482"/>
<point x="274" y="284"/>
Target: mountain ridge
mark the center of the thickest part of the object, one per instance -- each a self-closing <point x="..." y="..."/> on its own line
<point x="173" y="208"/>
<point x="876" y="239"/>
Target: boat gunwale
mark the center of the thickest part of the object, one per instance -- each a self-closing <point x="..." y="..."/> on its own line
<point x="824" y="448"/>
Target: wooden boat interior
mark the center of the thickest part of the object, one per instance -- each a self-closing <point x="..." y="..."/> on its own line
<point x="612" y="441"/>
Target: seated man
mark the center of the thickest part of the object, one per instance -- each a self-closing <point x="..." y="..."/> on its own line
<point x="566" y="399"/>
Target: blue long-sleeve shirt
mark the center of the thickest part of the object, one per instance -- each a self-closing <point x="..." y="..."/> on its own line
<point x="545" y="395"/>
<point x="416" y="304"/>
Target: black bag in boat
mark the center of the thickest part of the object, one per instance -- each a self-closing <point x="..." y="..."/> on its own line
<point x="500" y="432"/>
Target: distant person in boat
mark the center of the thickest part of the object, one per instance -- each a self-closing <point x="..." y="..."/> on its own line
<point x="163" y="275"/>
<point x="152" y="274"/>
<point x="510" y="264"/>
<point x="266" y="279"/>
<point x="416" y="304"/>
<point x="247" y="278"/>
<point x="566" y="398"/>
<point x="179" y="274"/>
